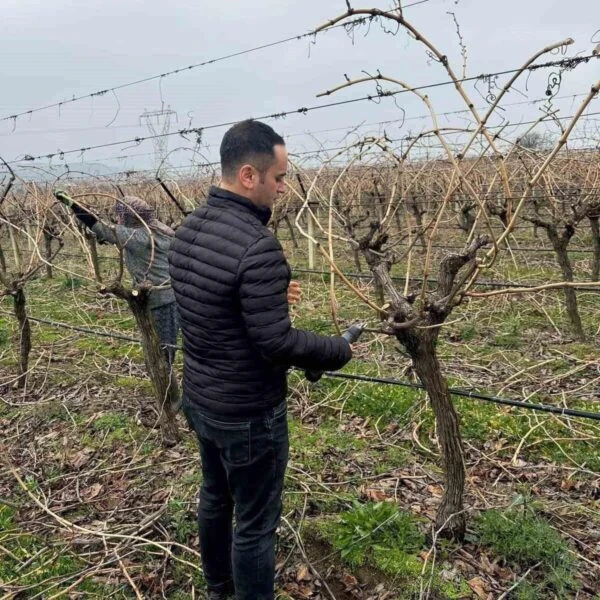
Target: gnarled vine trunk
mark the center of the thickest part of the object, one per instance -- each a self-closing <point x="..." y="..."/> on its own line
<point x="560" y="245"/>
<point x="20" y="309"/>
<point x="418" y="333"/>
<point x="164" y="382"/>
<point x="48" y="252"/>
<point x="595" y="227"/>
<point x="450" y="517"/>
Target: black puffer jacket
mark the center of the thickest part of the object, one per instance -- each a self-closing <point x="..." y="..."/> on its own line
<point x="230" y="279"/>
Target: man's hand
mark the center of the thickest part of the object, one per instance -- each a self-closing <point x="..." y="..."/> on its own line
<point x="294" y="293"/>
<point x="63" y="197"/>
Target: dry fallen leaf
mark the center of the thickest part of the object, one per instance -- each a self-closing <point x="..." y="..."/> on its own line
<point x="93" y="491"/>
<point x="435" y="490"/>
<point x="81" y="458"/>
<point x="488" y="567"/>
<point x="374" y="494"/>
<point x="349" y="580"/>
<point x="479" y="586"/>
<point x="160" y="495"/>
<point x="303" y="574"/>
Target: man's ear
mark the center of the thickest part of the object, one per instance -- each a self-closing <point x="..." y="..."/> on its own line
<point x="247" y="176"/>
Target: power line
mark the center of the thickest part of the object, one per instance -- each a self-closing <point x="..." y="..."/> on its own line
<point x="570" y="62"/>
<point x="306" y="152"/>
<point x="314" y="152"/>
<point x="68" y="130"/>
<point x="113" y="89"/>
<point x="290" y="135"/>
<point x="130" y="172"/>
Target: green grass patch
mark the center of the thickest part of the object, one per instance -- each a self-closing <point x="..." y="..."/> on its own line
<point x="306" y="447"/>
<point x="526" y="540"/>
<point x="111" y="422"/>
<point x="182" y="520"/>
<point x="391" y="458"/>
<point x="316" y="324"/>
<point x="483" y="421"/>
<point x="4" y="333"/>
<point x="54" y="411"/>
<point x="372" y="526"/>
<point x="381" y="404"/>
<point x="328" y="435"/>
<point x="7" y="514"/>
<point x="46" y="563"/>
<point x="468" y="332"/>
<point x="380" y="536"/>
<point x="510" y="332"/>
<point x="320" y="451"/>
<point x="109" y="429"/>
<point x="129" y="382"/>
<point x="185" y="577"/>
<point x="71" y="283"/>
<point x="109" y="348"/>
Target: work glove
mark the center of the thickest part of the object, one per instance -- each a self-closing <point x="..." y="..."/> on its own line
<point x="64" y="198"/>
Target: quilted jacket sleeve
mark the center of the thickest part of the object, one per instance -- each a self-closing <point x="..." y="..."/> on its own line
<point x="263" y="279"/>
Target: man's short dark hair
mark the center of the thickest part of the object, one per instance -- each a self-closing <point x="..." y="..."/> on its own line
<point x="249" y="142"/>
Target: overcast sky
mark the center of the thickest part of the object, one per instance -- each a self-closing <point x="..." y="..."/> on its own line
<point x="55" y="50"/>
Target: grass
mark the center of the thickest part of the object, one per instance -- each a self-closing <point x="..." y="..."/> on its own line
<point x="373" y="526"/>
<point x="181" y="520"/>
<point x="4" y="332"/>
<point x="71" y="283"/>
<point x="381" y="404"/>
<point x="316" y="449"/>
<point x="524" y="539"/>
<point x="112" y="422"/>
<point x="39" y="564"/>
<point x="389" y="541"/>
<point x="112" y="429"/>
<point x="480" y="422"/>
<point x="510" y="333"/>
<point x="468" y="332"/>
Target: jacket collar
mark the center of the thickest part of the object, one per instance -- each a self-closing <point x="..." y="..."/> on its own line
<point x="217" y="197"/>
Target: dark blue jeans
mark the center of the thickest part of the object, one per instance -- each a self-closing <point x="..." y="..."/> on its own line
<point x="243" y="467"/>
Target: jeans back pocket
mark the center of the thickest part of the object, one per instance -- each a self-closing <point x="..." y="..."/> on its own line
<point x="232" y="439"/>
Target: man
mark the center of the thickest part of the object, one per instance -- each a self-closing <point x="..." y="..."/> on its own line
<point x="231" y="280"/>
